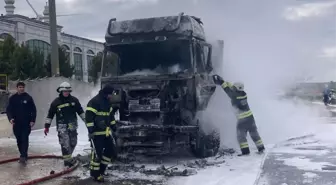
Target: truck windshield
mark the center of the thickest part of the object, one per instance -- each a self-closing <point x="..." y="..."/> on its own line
<point x="165" y="57"/>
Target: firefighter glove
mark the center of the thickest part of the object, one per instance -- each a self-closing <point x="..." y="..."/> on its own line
<point x="46" y="131"/>
<point x="218" y="79"/>
<point x="91" y="136"/>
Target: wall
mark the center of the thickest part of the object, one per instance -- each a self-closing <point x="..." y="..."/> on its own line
<point x="5" y="127"/>
<point x="44" y="92"/>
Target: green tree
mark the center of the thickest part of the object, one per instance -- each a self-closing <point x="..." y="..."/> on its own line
<point x="110" y="66"/>
<point x="66" y="69"/>
<point x="24" y="64"/>
<point x="38" y="65"/>
<point x="7" y="49"/>
<point x="94" y="68"/>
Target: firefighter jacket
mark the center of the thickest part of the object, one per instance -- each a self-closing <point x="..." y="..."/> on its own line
<point x="65" y="109"/>
<point x="238" y="101"/>
<point x="99" y="115"/>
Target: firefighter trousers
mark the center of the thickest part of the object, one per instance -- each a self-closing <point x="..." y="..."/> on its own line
<point x="67" y="137"/>
<point x="103" y="150"/>
<point x="245" y="126"/>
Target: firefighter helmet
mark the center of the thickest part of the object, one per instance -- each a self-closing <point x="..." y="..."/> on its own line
<point x="239" y="86"/>
<point x="64" y="86"/>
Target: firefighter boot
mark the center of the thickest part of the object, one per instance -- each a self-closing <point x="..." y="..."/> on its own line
<point x="100" y="178"/>
<point x="70" y="162"/>
<point x="102" y="169"/>
<point x="261" y="149"/>
<point x="245" y="151"/>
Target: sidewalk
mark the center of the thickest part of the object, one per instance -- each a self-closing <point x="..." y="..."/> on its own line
<point x="5" y="127"/>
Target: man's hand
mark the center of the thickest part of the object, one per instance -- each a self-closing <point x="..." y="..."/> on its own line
<point x="46" y="131"/>
<point x="12" y="122"/>
<point x="32" y="124"/>
<point x="218" y="79"/>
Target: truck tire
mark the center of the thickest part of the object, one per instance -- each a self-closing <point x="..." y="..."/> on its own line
<point x="205" y="145"/>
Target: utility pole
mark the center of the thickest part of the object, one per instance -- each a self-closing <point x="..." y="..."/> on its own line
<point x="53" y="38"/>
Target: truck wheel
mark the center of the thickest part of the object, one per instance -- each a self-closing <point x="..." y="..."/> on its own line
<point x="205" y="145"/>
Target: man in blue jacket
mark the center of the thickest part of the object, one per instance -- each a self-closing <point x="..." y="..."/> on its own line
<point x="21" y="113"/>
<point x="326" y="95"/>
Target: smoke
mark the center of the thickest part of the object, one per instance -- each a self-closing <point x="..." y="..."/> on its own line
<point x="262" y="49"/>
<point x="156" y="71"/>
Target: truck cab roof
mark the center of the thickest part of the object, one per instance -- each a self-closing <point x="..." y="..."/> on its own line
<point x="154" y="29"/>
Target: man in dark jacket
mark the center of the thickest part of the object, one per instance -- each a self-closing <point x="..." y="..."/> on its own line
<point x="245" y="119"/>
<point x="99" y="121"/>
<point x="21" y="113"/>
<point x="65" y="107"/>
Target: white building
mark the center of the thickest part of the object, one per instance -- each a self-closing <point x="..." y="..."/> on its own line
<point x="35" y="33"/>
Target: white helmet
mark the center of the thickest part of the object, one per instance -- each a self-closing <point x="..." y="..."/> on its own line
<point x="239" y="86"/>
<point x="64" y="86"/>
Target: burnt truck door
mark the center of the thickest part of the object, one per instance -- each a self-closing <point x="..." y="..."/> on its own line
<point x="203" y="80"/>
<point x="217" y="55"/>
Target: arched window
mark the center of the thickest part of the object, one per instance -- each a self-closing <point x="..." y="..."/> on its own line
<point x="66" y="48"/>
<point x="3" y="36"/>
<point x="89" y="58"/>
<point x="78" y="60"/>
<point x="39" y="45"/>
<point x="78" y="50"/>
<point x="67" y="51"/>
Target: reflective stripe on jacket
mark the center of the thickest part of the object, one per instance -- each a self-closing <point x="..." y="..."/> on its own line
<point x="65" y="109"/>
<point x="99" y="115"/>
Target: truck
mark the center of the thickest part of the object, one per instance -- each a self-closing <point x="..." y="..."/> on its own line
<point x="160" y="69"/>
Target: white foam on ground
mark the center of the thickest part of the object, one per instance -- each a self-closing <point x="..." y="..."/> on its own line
<point x="236" y="170"/>
<point x="309" y="177"/>
<point x="283" y="150"/>
<point x="303" y="163"/>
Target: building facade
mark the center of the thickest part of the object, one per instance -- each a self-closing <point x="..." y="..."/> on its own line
<point x="35" y="33"/>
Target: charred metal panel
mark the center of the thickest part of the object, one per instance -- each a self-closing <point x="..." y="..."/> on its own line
<point x="156" y="27"/>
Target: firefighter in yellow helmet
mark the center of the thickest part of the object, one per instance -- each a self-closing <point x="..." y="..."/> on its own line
<point x="100" y="121"/>
<point x="245" y="119"/>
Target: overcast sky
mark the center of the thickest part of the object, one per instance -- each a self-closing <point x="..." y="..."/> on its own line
<point x="292" y="36"/>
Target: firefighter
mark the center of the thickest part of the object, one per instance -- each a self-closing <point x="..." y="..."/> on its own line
<point x="65" y="107"/>
<point x="245" y="119"/>
<point x="21" y="113"/>
<point x="100" y="121"/>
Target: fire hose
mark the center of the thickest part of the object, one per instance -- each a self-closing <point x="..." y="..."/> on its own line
<point x="45" y="178"/>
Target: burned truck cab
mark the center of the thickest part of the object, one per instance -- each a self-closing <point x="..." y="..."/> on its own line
<point x="160" y="69"/>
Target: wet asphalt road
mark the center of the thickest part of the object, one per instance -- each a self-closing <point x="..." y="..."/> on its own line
<point x="300" y="162"/>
